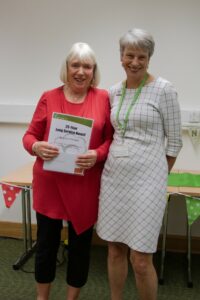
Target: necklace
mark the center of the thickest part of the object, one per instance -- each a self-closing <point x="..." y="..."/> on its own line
<point x="123" y="125"/>
<point x="79" y="109"/>
<point x="73" y="97"/>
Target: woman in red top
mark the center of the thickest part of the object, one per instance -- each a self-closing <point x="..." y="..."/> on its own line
<point x="60" y="196"/>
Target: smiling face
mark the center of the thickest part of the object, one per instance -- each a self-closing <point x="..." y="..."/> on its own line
<point x="80" y="74"/>
<point x="135" y="62"/>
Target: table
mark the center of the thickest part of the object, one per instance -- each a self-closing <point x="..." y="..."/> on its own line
<point x="189" y="191"/>
<point x="22" y="177"/>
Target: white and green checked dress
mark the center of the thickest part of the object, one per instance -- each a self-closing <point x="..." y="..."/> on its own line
<point x="133" y="188"/>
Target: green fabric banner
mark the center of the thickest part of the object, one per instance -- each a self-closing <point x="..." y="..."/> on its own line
<point x="193" y="209"/>
<point x="184" y="179"/>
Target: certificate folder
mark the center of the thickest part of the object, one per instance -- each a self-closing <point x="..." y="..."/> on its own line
<point x="71" y="134"/>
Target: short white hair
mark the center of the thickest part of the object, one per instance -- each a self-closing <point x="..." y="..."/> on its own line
<point x="137" y="38"/>
<point x="83" y="52"/>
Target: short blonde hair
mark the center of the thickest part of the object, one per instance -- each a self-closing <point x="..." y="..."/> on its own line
<point x="83" y="52"/>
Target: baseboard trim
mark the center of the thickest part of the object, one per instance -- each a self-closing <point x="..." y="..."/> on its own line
<point x="174" y="243"/>
<point x="15" y="230"/>
<point x="179" y="243"/>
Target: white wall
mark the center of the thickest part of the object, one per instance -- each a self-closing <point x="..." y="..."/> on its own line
<point x="36" y="36"/>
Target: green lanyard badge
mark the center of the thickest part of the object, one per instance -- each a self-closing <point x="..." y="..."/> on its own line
<point x="123" y="125"/>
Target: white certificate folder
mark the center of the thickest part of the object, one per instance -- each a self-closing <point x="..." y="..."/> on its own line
<point x="71" y="134"/>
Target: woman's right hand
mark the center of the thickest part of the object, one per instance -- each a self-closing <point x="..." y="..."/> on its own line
<point x="45" y="150"/>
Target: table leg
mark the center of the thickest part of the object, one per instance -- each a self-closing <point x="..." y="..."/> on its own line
<point x="163" y="250"/>
<point x="190" y="284"/>
<point x="29" y="228"/>
<point x="29" y="246"/>
<point x="24" y="220"/>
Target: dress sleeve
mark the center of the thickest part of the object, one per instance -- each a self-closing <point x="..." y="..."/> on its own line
<point x="36" y="129"/>
<point x="102" y="150"/>
<point x="170" y="111"/>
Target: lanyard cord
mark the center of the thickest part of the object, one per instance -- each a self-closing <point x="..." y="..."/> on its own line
<point x="135" y="98"/>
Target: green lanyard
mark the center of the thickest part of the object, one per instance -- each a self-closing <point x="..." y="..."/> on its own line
<point x="136" y="95"/>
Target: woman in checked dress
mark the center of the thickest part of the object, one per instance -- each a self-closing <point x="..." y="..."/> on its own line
<point x="146" y="117"/>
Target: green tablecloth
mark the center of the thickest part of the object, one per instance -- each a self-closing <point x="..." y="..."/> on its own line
<point x="184" y="179"/>
<point x="192" y="203"/>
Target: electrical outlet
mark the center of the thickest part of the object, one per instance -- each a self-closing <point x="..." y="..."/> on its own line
<point x="194" y="117"/>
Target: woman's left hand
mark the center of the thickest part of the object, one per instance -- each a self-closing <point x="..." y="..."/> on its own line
<point x="87" y="160"/>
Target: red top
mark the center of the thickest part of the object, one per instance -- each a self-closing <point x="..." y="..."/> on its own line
<point x="65" y="196"/>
